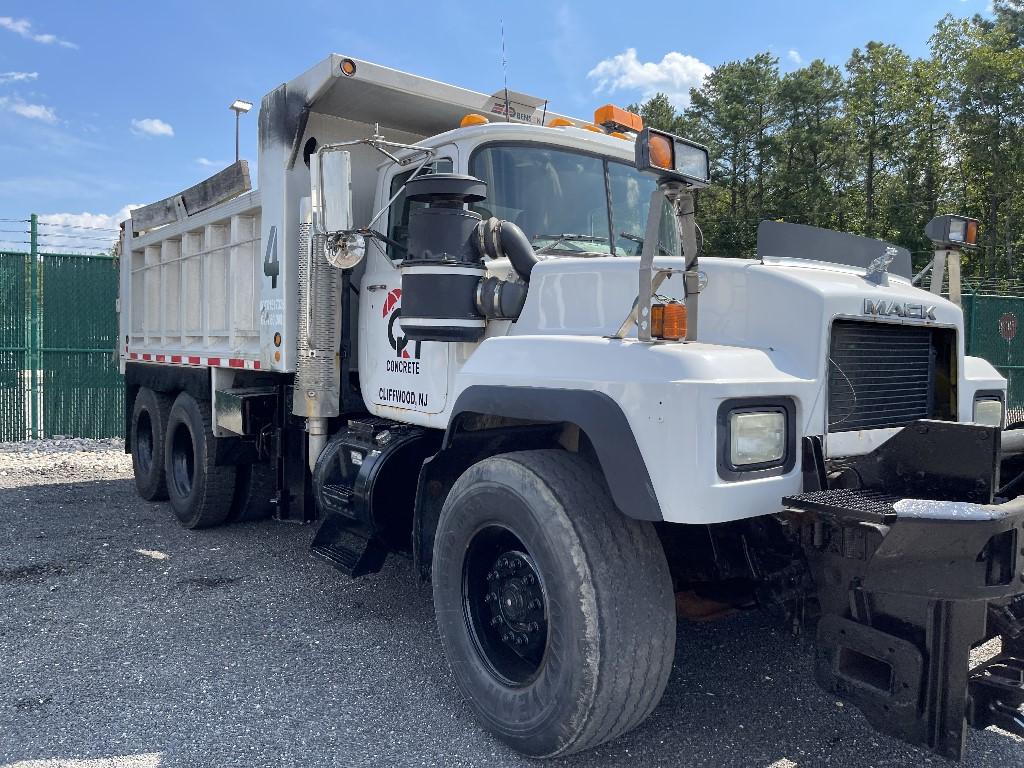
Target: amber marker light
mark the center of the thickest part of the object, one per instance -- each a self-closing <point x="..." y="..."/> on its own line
<point x="473" y="119"/>
<point x="661" y="152"/>
<point x="657" y="320"/>
<point x="668" y="321"/>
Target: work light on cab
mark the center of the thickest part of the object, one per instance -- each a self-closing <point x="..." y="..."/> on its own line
<point x="672" y="157"/>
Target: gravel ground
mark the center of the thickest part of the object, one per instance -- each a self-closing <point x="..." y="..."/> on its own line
<point x="128" y="641"/>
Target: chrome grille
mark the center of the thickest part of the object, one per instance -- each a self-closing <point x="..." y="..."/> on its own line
<point x="879" y="375"/>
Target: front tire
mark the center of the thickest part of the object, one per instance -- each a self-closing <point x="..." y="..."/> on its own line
<point x="199" y="491"/>
<point x="555" y="610"/>
<point x="148" y="432"/>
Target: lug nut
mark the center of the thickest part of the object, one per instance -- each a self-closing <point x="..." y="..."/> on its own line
<point x="520" y="640"/>
<point x="535" y="604"/>
<point x="506" y="637"/>
<point x="530" y="579"/>
<point x="534" y="626"/>
<point x="490" y="597"/>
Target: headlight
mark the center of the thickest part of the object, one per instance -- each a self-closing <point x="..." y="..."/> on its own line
<point x="988" y="411"/>
<point x="757" y="438"/>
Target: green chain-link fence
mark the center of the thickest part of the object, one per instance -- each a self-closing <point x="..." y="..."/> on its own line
<point x="58" y="334"/>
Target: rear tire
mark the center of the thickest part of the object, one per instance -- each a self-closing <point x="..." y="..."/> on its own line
<point x="255" y="488"/>
<point x="148" y="432"/>
<point x="555" y="610"/>
<point x="199" y="491"/>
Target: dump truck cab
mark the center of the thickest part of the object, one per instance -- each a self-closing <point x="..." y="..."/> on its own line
<point x="469" y="330"/>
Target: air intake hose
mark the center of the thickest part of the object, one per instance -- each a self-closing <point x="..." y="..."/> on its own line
<point x="504" y="240"/>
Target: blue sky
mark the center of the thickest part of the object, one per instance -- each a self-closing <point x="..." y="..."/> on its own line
<point x="109" y="104"/>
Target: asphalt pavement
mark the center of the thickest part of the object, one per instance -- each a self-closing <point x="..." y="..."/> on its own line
<point x="126" y="640"/>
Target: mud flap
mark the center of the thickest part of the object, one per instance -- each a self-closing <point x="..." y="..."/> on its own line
<point x="913" y="567"/>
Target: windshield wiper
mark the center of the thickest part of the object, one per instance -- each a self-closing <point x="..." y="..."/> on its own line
<point x="637" y="239"/>
<point x="565" y="238"/>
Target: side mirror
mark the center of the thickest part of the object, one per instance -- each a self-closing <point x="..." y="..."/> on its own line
<point x="331" y="182"/>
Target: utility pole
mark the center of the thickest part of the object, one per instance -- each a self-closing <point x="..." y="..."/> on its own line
<point x="33" y="326"/>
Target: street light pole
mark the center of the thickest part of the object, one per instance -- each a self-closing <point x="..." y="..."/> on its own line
<point x="239" y="107"/>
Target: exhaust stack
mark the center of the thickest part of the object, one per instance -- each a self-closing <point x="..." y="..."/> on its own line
<point x="317" y="368"/>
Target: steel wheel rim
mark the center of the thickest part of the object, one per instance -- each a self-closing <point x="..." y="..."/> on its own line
<point x="183" y="461"/>
<point x="505" y="606"/>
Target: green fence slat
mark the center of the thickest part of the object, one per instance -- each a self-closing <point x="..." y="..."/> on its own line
<point x="14" y="416"/>
<point x="83" y="392"/>
<point x="80" y="392"/>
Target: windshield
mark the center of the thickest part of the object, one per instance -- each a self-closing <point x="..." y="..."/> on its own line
<point x="569" y="203"/>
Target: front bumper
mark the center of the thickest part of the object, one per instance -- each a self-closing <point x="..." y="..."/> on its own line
<point x="915" y="562"/>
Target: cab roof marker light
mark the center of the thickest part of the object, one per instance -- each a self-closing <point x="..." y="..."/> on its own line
<point x="561" y="122"/>
<point x="473" y="119"/>
<point x="618" y="120"/>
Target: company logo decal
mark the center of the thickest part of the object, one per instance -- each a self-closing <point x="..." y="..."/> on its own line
<point x="398" y="343"/>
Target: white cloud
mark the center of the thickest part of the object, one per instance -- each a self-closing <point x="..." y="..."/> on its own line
<point x="674" y="75"/>
<point x="794" y="55"/>
<point x="207" y="163"/>
<point x="23" y="27"/>
<point x="31" y="111"/>
<point x="152" y="126"/>
<point x="17" y="77"/>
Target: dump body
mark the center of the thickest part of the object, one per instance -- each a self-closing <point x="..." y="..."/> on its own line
<point x="190" y="291"/>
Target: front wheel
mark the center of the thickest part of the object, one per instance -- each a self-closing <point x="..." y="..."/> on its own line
<point x="555" y="610"/>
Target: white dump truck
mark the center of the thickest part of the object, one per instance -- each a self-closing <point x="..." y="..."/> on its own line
<point x="473" y="332"/>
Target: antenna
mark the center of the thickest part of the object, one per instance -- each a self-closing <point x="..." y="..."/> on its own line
<point x="504" y="69"/>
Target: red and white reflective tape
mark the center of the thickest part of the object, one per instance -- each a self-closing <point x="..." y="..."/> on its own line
<point x="216" y="362"/>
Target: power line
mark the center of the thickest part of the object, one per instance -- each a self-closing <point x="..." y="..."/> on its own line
<point x="77" y="226"/>
<point x="77" y="237"/>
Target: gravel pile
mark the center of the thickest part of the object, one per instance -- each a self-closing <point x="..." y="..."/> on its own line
<point x="62" y="459"/>
<point x="126" y="640"/>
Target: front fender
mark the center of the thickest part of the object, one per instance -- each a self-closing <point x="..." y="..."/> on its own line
<point x="595" y="413"/>
<point x="656" y="403"/>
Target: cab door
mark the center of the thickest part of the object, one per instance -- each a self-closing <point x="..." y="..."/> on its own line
<point x="394" y="371"/>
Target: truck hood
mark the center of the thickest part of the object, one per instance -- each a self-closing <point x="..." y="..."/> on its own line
<point x="785" y="308"/>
